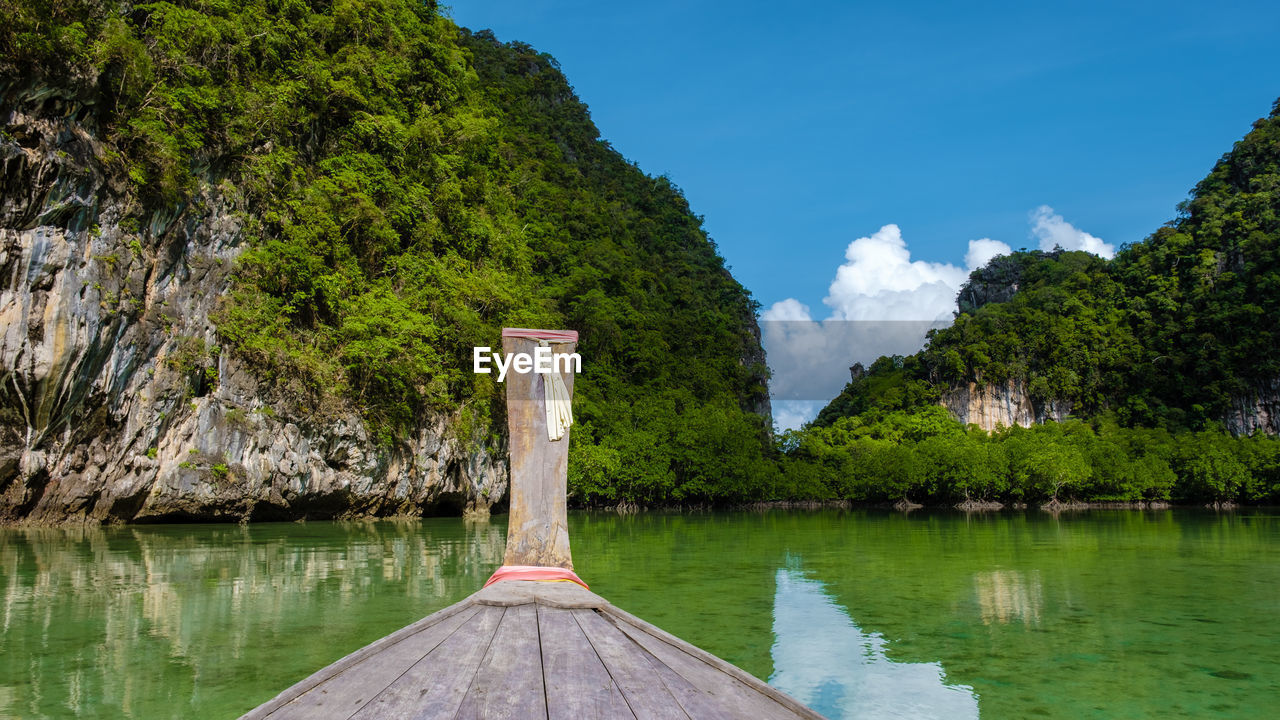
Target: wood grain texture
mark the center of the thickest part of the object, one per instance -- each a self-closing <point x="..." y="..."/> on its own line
<point x="532" y="650"/>
<point x="697" y="702"/>
<point x="435" y="686"/>
<point x="537" y="525"/>
<point x="577" y="683"/>
<point x="358" y="656"/>
<point x="731" y="688"/>
<point x="342" y="695"/>
<point x="508" y="684"/>
<point x="632" y="670"/>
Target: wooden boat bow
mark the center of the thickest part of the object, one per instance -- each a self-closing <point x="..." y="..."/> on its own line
<point x="532" y="648"/>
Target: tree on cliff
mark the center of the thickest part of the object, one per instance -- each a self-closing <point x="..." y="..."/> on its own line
<point x="407" y="188"/>
<point x="1166" y="352"/>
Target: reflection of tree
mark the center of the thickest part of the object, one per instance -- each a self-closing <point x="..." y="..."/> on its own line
<point x="1116" y="602"/>
<point x="160" y="622"/>
<point x="138" y="622"/>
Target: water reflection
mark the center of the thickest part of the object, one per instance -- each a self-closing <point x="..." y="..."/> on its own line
<point x="1005" y="596"/>
<point x="1109" y="614"/>
<point x="825" y="661"/>
<point x="179" y="621"/>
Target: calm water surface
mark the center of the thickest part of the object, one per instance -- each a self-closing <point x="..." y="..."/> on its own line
<point x="859" y="614"/>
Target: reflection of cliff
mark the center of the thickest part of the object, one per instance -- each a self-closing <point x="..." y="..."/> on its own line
<point x="138" y="622"/>
<point x="825" y="661"/>
<point x="1006" y="596"/>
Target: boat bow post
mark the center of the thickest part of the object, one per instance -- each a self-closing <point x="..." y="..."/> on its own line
<point x="539" y="414"/>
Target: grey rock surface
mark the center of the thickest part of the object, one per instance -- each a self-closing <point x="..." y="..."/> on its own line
<point x="116" y="403"/>
<point x="1258" y="409"/>
<point x="1000" y="405"/>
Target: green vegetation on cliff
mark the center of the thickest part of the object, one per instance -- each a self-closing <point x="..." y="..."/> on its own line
<point x="1158" y="354"/>
<point x="1173" y="331"/>
<point x="407" y="189"/>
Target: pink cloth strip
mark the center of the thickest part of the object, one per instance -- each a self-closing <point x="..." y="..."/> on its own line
<point x="549" y="335"/>
<point x="534" y="572"/>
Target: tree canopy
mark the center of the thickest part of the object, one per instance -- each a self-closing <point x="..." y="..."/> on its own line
<point x="408" y="188"/>
<point x="1161" y="353"/>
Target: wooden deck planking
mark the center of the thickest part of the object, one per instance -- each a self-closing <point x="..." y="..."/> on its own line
<point x="551" y="594"/>
<point x="632" y="669"/>
<point x="577" y="683"/>
<point x="345" y="693"/>
<point x="509" y="683"/>
<point x="733" y="690"/>
<point x="523" y="649"/>
<point x="327" y="673"/>
<point x="435" y="686"/>
<point x="697" y="702"/>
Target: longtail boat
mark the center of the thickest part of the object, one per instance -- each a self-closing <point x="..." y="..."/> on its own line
<point x="534" y="642"/>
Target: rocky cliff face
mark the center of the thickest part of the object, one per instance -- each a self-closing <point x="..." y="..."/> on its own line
<point x="1256" y="410"/>
<point x="1006" y="404"/>
<point x="115" y="402"/>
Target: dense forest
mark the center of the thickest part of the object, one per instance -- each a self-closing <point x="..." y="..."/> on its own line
<point x="1165" y="355"/>
<point x="407" y="189"/>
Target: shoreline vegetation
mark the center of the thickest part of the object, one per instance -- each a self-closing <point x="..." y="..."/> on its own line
<point x="926" y="457"/>
<point x="764" y="506"/>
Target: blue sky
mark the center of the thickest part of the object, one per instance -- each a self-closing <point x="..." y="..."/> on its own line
<point x="798" y="128"/>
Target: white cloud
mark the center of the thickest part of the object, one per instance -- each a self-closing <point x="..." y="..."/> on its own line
<point x="1053" y="231"/>
<point x="787" y="310"/>
<point x="882" y="303"/>
<point x="879" y="281"/>
<point x="982" y="251"/>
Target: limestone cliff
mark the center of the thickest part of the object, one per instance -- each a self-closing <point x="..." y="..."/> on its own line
<point x="1008" y="404"/>
<point x="1256" y="410"/>
<point x="116" y="403"/>
<point x="1000" y="405"/>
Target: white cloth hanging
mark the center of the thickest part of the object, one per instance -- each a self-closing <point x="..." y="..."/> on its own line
<point x="558" y="402"/>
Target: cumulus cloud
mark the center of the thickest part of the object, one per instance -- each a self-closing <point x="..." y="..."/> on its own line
<point x="880" y="281"/>
<point x="1052" y="231"/>
<point x="787" y="310"/>
<point x="983" y="251"/>
<point x="881" y="303"/>
<point x="793" y="414"/>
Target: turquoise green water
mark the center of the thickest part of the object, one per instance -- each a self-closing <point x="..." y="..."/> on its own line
<point x="860" y="614"/>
